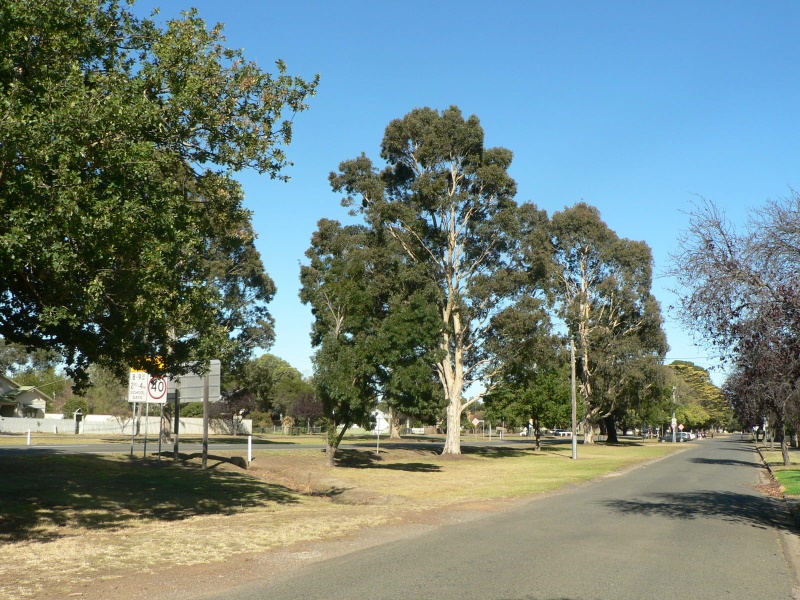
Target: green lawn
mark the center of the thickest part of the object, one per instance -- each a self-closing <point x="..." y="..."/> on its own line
<point x="790" y="480"/>
<point x="789" y="477"/>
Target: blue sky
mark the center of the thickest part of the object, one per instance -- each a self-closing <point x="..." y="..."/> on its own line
<point x="636" y="107"/>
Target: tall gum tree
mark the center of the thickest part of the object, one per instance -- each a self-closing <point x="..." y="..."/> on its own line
<point x="601" y="286"/>
<point x="448" y="202"/>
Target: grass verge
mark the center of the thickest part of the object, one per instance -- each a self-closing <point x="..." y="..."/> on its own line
<point x="788" y="477"/>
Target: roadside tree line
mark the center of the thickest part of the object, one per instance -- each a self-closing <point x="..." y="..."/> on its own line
<point x="126" y="239"/>
<point x="447" y="294"/>
<point x="739" y="293"/>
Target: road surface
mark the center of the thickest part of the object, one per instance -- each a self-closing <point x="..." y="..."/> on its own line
<point x="692" y="525"/>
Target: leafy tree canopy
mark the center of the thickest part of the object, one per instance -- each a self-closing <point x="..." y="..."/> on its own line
<point x="448" y="202"/>
<point x="700" y="391"/>
<point x="124" y="233"/>
<point x="601" y="289"/>
<point x="274" y="384"/>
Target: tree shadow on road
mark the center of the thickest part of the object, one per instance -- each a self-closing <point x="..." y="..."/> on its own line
<point x="725" y="461"/>
<point x="758" y="511"/>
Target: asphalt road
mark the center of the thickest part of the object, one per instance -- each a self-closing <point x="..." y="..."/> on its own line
<point x="689" y="526"/>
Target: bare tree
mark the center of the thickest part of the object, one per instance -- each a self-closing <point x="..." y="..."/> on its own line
<point x="738" y="293"/>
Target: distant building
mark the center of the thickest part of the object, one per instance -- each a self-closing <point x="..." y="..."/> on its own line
<point x="21" y="400"/>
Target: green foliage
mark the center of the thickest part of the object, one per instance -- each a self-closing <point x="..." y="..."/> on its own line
<point x="125" y="236"/>
<point x="106" y="395"/>
<point x="73" y="404"/>
<point x="702" y="404"/>
<point x="447" y="201"/>
<point x="534" y="381"/>
<point x="274" y="388"/>
<point x="335" y="285"/>
<point x="16" y="359"/>
<point x="545" y="398"/>
<point x="375" y="327"/>
<point x="36" y="368"/>
<point x="601" y="287"/>
<point x="261" y="420"/>
<point x="192" y="410"/>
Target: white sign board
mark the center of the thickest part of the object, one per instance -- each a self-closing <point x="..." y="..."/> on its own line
<point x="145" y="389"/>
<point x="157" y="390"/>
<point x="137" y="387"/>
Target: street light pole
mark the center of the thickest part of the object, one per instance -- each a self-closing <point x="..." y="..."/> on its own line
<point x="574" y="402"/>
<point x="674" y="420"/>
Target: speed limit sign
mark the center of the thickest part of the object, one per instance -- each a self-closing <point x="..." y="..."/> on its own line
<point x="157" y="390"/>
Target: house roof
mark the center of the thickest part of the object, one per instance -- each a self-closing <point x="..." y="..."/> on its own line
<point x="36" y="398"/>
<point x="10" y="397"/>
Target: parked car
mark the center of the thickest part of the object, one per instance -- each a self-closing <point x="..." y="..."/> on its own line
<point x="680" y="436"/>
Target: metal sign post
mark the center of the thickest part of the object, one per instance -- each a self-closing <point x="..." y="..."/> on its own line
<point x="160" y="430"/>
<point x="156" y="394"/>
<point x="177" y="421"/>
<point x="146" y="419"/>
<point x="133" y="428"/>
<point x="205" y="421"/>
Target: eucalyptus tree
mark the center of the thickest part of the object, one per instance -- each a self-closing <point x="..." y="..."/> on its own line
<point x="602" y="291"/>
<point x="447" y="201"/>
<point x="125" y="236"/>
<point x="374" y="328"/>
<point x="333" y="284"/>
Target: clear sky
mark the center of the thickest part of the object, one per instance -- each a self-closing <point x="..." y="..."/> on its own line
<point x="636" y="107"/>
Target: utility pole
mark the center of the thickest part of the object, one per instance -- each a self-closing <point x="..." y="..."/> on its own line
<point x="177" y="421"/>
<point x="205" y="421"/>
<point x="574" y="402"/>
<point x="674" y="420"/>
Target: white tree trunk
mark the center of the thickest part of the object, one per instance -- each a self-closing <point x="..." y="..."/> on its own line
<point x="452" y="443"/>
<point x="588" y="433"/>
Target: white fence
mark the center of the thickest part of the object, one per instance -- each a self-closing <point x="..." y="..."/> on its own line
<point x="104" y="424"/>
<point x="22" y="425"/>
